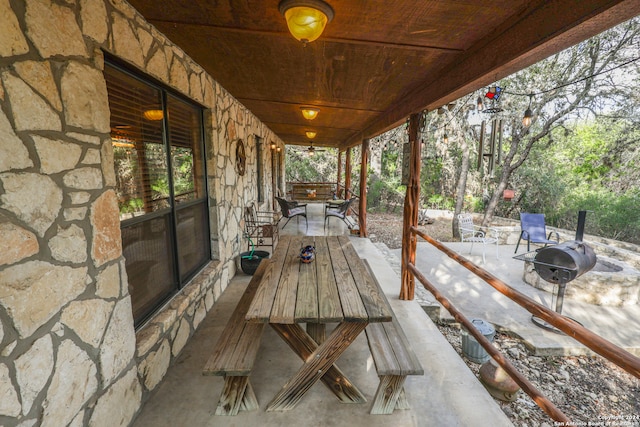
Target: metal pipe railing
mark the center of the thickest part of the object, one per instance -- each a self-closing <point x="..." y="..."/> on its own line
<point x="606" y="349"/>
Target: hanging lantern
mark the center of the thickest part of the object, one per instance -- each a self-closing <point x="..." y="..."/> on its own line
<point x="528" y="114"/>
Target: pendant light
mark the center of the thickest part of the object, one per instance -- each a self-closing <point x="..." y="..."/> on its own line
<point x="526" y="120"/>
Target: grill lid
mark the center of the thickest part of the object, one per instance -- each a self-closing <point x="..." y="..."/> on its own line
<point x="564" y="262"/>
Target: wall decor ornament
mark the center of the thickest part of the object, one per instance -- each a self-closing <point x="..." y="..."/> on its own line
<point x="241" y="158"/>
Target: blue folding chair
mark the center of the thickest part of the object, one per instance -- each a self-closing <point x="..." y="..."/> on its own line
<point x="534" y="230"/>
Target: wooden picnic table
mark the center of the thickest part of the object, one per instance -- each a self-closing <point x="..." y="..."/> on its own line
<point x="335" y="288"/>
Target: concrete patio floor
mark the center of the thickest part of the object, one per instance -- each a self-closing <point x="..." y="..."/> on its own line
<point x="448" y="393"/>
<point x="477" y="299"/>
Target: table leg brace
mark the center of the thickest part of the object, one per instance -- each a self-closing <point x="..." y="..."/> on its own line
<point x="319" y="364"/>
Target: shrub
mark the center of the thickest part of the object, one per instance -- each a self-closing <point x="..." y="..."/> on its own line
<point x="611" y="215"/>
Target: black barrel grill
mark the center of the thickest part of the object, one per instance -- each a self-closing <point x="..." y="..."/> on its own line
<point x="560" y="264"/>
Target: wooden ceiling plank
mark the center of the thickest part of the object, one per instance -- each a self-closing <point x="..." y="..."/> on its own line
<point x="546" y="30"/>
<point x="378" y="61"/>
<point x="263" y="33"/>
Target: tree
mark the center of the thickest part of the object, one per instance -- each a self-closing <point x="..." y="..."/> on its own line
<point x="321" y="167"/>
<point x="567" y="86"/>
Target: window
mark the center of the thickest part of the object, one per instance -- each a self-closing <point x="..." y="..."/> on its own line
<point x="160" y="182"/>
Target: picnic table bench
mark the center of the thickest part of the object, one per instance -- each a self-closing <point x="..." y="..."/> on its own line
<point x="394" y="360"/>
<point x="235" y="353"/>
<point x="335" y="288"/>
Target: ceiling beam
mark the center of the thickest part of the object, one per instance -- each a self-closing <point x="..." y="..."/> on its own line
<point x="328" y="106"/>
<point x="543" y="31"/>
<point x="324" y="39"/>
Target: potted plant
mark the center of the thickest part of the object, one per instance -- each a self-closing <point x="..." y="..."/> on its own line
<point x="250" y="260"/>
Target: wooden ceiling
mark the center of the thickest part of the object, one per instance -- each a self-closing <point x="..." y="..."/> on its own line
<point x="378" y="61"/>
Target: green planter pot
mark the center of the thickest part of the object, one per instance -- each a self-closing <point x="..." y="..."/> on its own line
<point x="250" y="265"/>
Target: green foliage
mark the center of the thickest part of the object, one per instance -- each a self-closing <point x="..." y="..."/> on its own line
<point x="473" y="204"/>
<point x="613" y="215"/>
<point x="538" y="184"/>
<point x="438" y="201"/>
<point x="390" y="163"/>
<point x="585" y="150"/>
<point x="183" y="176"/>
<point x="383" y="194"/>
<point x="431" y="175"/>
<point x="583" y="170"/>
<point x="321" y="167"/>
<point x="160" y="186"/>
<point x="131" y="206"/>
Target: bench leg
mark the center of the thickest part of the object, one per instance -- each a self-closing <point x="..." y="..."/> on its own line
<point x="249" y="401"/>
<point x="390" y="395"/>
<point x="237" y="394"/>
<point x="402" y="402"/>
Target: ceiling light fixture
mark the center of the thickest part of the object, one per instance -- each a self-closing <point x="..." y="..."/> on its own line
<point x="309" y="113"/>
<point x="122" y="143"/>
<point x="310" y="134"/>
<point x="153" y="115"/>
<point x="445" y="137"/>
<point x="306" y="19"/>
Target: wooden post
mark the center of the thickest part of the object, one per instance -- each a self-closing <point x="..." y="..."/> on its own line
<point x="347" y="175"/>
<point x="411" y="205"/>
<point x="362" y="208"/>
<point x="273" y="180"/>
<point x="339" y="178"/>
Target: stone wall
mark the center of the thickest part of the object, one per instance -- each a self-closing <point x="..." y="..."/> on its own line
<point x="69" y="354"/>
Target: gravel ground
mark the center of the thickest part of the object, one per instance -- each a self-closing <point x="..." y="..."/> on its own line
<point x="590" y="391"/>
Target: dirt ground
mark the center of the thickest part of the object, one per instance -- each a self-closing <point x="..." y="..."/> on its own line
<point x="387" y="228"/>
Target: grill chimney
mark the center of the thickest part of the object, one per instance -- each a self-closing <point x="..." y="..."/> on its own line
<point x="582" y="217"/>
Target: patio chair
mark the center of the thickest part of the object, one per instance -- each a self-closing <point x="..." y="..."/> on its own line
<point x="292" y="209"/>
<point x="261" y="227"/>
<point x="339" y="211"/>
<point x="469" y="232"/>
<point x="534" y="230"/>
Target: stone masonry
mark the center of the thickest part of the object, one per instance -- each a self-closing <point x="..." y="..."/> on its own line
<point x="69" y="354"/>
